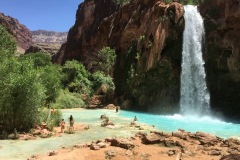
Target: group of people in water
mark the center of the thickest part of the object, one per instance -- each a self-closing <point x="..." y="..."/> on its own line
<point x="104" y="117"/>
<point x="106" y="121"/>
<point x="63" y="123"/>
<point x="71" y="127"/>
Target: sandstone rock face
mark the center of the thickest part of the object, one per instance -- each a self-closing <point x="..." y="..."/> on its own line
<point x="20" y="32"/>
<point x="147" y="38"/>
<point x="222" y="54"/>
<point x="89" y="16"/>
<point x="43" y="36"/>
<point x="47" y="42"/>
<point x="48" y="48"/>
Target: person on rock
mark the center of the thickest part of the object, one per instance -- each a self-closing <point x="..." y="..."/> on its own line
<point x="133" y="123"/>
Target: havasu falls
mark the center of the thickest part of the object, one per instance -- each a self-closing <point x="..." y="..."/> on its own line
<point x="194" y="93"/>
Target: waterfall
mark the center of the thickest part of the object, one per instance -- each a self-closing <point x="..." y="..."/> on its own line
<point x="194" y="93"/>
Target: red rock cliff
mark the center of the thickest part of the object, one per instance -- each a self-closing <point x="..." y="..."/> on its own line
<point x="22" y="34"/>
<point x="222" y="23"/>
<point x="147" y="37"/>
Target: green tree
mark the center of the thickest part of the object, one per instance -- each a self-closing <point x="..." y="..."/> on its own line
<point x="21" y="90"/>
<point x="51" y="77"/>
<point x="107" y="60"/>
<point x="50" y="74"/>
<point x="21" y="93"/>
<point x="7" y="44"/>
<point x="39" y="59"/>
<point x="76" y="77"/>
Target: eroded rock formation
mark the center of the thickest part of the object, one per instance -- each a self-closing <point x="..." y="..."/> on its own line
<point x="222" y="23"/>
<point x="48" y="42"/>
<point x="43" y="36"/>
<point x="21" y="33"/>
<point x="147" y="37"/>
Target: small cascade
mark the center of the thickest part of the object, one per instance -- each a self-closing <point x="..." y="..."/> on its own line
<point x="194" y="93"/>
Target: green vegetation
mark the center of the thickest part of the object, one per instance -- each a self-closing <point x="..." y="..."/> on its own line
<point x="122" y="2"/>
<point x="21" y="90"/>
<point x="68" y="99"/>
<point x="185" y="2"/>
<point x="99" y="79"/>
<point x="76" y="77"/>
<point x="31" y="83"/>
<point x="107" y="60"/>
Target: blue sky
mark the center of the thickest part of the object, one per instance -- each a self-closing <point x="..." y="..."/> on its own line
<point x="53" y="15"/>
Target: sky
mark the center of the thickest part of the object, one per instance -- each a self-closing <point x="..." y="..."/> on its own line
<point x="51" y="15"/>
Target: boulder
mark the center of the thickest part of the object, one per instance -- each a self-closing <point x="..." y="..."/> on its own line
<point x="152" y="138"/>
<point x="122" y="143"/>
<point x="231" y="157"/>
<point x="53" y="153"/>
<point x="206" y="139"/>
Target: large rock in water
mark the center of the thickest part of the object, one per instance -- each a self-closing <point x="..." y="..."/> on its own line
<point x="147" y="38"/>
<point x="222" y="54"/>
<point x="20" y="32"/>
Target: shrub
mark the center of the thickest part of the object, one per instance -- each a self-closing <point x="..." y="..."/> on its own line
<point x="54" y="119"/>
<point x="68" y="100"/>
<point x="76" y="77"/>
<point x="39" y="59"/>
<point x="100" y="79"/>
<point x="43" y="115"/>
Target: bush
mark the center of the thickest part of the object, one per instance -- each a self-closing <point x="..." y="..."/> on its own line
<point x="121" y="2"/>
<point x="99" y="79"/>
<point x="54" y="119"/>
<point x="39" y="59"/>
<point x="43" y="115"/>
<point x="68" y="100"/>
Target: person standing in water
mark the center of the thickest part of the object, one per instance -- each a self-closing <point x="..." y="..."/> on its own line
<point x="71" y="121"/>
<point x="116" y="109"/>
<point x="62" y="126"/>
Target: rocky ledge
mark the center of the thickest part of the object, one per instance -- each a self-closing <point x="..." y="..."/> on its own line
<point x="168" y="146"/>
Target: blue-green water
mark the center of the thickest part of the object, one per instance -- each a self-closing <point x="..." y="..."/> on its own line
<point x="20" y="149"/>
<point x="188" y="123"/>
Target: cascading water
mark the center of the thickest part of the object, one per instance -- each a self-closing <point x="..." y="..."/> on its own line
<point x="194" y="93"/>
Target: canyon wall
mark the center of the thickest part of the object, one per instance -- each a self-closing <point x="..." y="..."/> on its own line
<point x="21" y="33"/>
<point x="222" y="48"/>
<point x="147" y="38"/>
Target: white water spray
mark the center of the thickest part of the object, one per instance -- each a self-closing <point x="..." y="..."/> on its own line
<point x="194" y="93"/>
